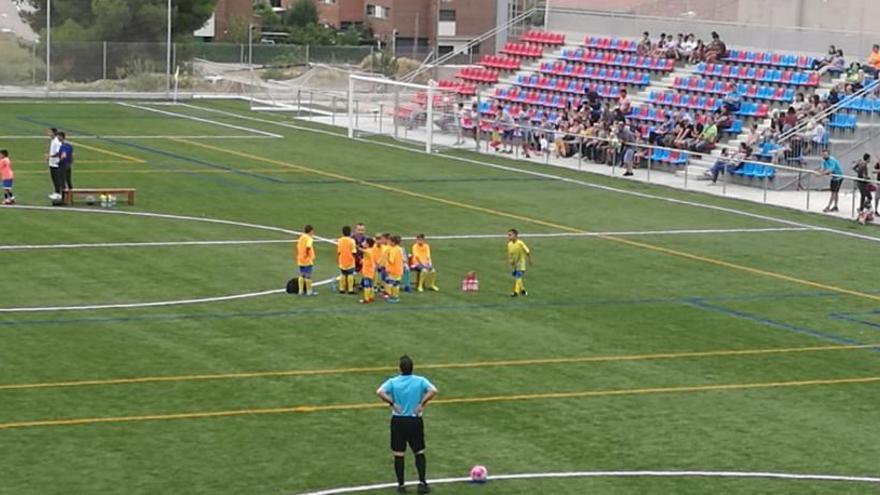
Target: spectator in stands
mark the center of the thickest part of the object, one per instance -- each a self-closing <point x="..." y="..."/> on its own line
<point x="727" y="163"/>
<point x="624" y="105"/>
<point x="732" y="101"/>
<point x="855" y="75"/>
<point x="835" y="66"/>
<point x="790" y="120"/>
<point x="698" y="54"/>
<point x="655" y="137"/>
<point x="674" y="48"/>
<point x="660" y="47"/>
<point x="716" y="50"/>
<point x="753" y="137"/>
<point x="873" y="65"/>
<point x="830" y="166"/>
<point x="800" y="101"/>
<point x="687" y="47"/>
<point x="862" y="172"/>
<point x="725" y="119"/>
<point x="707" y="138"/>
<point x="819" y="63"/>
<point x="643" y="49"/>
<point x="817" y="134"/>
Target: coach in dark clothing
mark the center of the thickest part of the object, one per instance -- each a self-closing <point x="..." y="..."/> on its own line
<point x="65" y="161"/>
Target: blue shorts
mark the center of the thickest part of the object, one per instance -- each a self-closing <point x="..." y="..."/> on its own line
<point x="421" y="267"/>
<point x="392" y="282"/>
<point x="7" y="183"/>
<point x="306" y="271"/>
<point x="348" y="271"/>
<point x="366" y="283"/>
<point x="518" y="273"/>
<point x="507" y="135"/>
<point x="382" y="276"/>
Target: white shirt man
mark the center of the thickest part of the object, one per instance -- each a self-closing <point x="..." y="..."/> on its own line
<point x="54" y="171"/>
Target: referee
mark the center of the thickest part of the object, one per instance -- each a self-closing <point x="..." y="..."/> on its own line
<point x="407" y="394"/>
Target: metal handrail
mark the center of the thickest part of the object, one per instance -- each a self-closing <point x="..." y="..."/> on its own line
<point x="470" y="44"/>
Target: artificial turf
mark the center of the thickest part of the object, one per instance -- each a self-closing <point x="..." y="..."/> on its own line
<point x="590" y="297"/>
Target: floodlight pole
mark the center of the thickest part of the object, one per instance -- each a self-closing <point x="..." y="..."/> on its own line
<point x="168" y="50"/>
<point x="48" y="44"/>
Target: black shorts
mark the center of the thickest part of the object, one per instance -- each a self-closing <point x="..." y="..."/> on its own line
<point x="836" y="183"/>
<point x="407" y="431"/>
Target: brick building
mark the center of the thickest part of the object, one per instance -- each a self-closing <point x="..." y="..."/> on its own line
<point x="230" y="17"/>
<point x="418" y="24"/>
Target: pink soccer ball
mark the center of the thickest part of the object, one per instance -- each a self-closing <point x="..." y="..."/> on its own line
<point x="479" y="474"/>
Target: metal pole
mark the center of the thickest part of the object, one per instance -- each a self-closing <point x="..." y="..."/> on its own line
<point x="394" y="112"/>
<point x="308" y="54"/>
<point x="766" y="184"/>
<point x="299" y="108"/>
<point x="381" y="113"/>
<point x="48" y="44"/>
<point x="333" y="110"/>
<point x="168" y="49"/>
<point x="251" y="46"/>
<point x="650" y="154"/>
<point x="104" y="72"/>
<point x="350" y="107"/>
<point x="311" y="105"/>
<point x="809" y="186"/>
<point x="853" y="209"/>
<point x="686" y="174"/>
<point x="429" y="119"/>
<point x="724" y="182"/>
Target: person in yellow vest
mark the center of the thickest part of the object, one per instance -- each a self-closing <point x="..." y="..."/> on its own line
<point x="422" y="264"/>
<point x="305" y="259"/>
<point x="346" y="254"/>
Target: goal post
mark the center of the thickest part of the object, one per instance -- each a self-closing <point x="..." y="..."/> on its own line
<point x="414" y="113"/>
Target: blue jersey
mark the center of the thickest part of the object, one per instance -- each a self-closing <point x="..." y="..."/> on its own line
<point x="833" y="166"/>
<point x="406" y="391"/>
<point x="65" y="154"/>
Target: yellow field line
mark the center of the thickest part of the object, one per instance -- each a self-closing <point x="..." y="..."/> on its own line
<point x="450" y="401"/>
<point x="109" y="152"/>
<point x="619" y="240"/>
<point x="477" y="364"/>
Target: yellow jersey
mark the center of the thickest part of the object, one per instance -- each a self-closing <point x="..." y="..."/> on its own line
<point x="345" y="253"/>
<point x="421" y="254"/>
<point x="383" y="254"/>
<point x="305" y="252"/>
<point x="368" y="265"/>
<point x="517" y="254"/>
<point x="394" y="262"/>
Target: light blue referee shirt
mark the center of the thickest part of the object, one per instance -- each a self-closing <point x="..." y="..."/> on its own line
<point x="407" y="391"/>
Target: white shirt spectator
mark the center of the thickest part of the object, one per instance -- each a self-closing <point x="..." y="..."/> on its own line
<point x="54" y="149"/>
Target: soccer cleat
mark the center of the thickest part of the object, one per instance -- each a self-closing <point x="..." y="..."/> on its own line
<point x="392" y="300"/>
<point x="401" y="489"/>
<point x="312" y="293"/>
<point x="420" y="289"/>
<point x="351" y="293"/>
<point x="424" y="488"/>
<point x="434" y="288"/>
<point x="513" y="294"/>
<point x="523" y="293"/>
<point x="366" y="301"/>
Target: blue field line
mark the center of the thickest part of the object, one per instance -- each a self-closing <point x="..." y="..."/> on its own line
<point x="780" y="325"/>
<point x="853" y="318"/>
<point x="170" y="154"/>
<point x="403" y="308"/>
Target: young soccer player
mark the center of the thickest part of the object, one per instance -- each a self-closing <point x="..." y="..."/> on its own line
<point x="346" y="251"/>
<point x="368" y="270"/>
<point x="6" y="176"/>
<point x="384" y="243"/>
<point x="519" y="257"/>
<point x="393" y="269"/>
<point x="423" y="266"/>
<point x="305" y="258"/>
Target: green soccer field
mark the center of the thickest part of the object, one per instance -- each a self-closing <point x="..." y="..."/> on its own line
<point x="664" y="330"/>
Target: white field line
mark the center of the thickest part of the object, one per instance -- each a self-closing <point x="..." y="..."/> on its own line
<point x="77" y="137"/>
<point x="199" y="119"/>
<point x="167" y="216"/>
<point x="26" y="247"/>
<point x="154" y="304"/>
<point x="553" y="177"/>
<point x="618" y="474"/>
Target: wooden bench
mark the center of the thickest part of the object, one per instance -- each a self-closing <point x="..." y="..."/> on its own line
<point x="70" y="193"/>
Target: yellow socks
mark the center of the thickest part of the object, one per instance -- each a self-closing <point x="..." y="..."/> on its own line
<point x="349" y="283"/>
<point x="431" y="280"/>
<point x="301" y="282"/>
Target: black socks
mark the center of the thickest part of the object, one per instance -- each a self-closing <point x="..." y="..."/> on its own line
<point x="398" y="469"/>
<point x="421" y="463"/>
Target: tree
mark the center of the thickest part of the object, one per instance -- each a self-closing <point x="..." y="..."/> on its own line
<point x="302" y="14"/>
<point x="268" y="17"/>
<point x="117" y="20"/>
